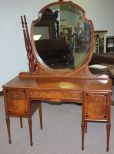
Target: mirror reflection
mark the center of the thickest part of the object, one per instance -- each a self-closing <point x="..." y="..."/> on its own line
<point x="62" y="37"/>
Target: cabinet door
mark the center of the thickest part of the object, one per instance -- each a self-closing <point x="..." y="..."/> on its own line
<point x="96" y="106"/>
<point x="16" y="102"/>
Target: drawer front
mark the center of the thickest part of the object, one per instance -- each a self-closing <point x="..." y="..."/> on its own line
<point x="18" y="94"/>
<point x="71" y="95"/>
<point x="96" y="106"/>
<point x="16" y="101"/>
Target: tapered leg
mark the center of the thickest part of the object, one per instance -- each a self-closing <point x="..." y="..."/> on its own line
<point x="108" y="135"/>
<point x="21" y="122"/>
<point x="86" y="126"/>
<point x="8" y="128"/>
<point x="40" y="115"/>
<point x="30" y="130"/>
<point x="83" y="131"/>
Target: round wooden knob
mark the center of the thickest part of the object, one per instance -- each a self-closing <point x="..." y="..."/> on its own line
<point x="16" y="95"/>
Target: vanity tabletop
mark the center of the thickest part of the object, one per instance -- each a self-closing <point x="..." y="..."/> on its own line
<point x="60" y="84"/>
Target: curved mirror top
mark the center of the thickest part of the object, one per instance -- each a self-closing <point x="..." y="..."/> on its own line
<point x="62" y="36"/>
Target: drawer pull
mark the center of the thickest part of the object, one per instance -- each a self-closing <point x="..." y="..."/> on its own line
<point x="87" y="115"/>
<point x="16" y="96"/>
<point x="105" y="116"/>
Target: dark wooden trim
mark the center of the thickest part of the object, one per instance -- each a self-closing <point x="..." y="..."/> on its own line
<point x="101" y="31"/>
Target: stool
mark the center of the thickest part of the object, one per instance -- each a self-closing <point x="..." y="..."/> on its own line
<point x="96" y="108"/>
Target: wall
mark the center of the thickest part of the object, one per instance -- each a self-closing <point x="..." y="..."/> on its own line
<point x="12" y="50"/>
<point x="100" y="12"/>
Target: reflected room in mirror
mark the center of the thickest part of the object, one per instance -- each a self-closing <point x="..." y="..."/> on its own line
<point x="62" y="36"/>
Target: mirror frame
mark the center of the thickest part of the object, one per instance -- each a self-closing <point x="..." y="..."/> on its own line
<point x="43" y="69"/>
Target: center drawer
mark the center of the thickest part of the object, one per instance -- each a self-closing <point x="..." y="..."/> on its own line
<point x="55" y="94"/>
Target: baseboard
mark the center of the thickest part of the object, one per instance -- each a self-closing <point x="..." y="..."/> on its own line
<point x="1" y="93"/>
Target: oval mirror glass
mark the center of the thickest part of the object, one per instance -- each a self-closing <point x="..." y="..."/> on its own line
<point x="62" y="36"/>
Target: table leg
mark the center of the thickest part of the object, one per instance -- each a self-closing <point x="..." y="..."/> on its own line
<point x="8" y="128"/>
<point x="30" y="129"/>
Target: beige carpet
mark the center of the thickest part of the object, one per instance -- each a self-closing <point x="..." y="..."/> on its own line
<point x="61" y="133"/>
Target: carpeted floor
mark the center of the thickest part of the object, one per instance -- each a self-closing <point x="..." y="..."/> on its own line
<point x="61" y="133"/>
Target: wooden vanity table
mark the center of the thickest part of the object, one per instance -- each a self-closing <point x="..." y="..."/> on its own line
<point x="20" y="91"/>
<point x="55" y="37"/>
